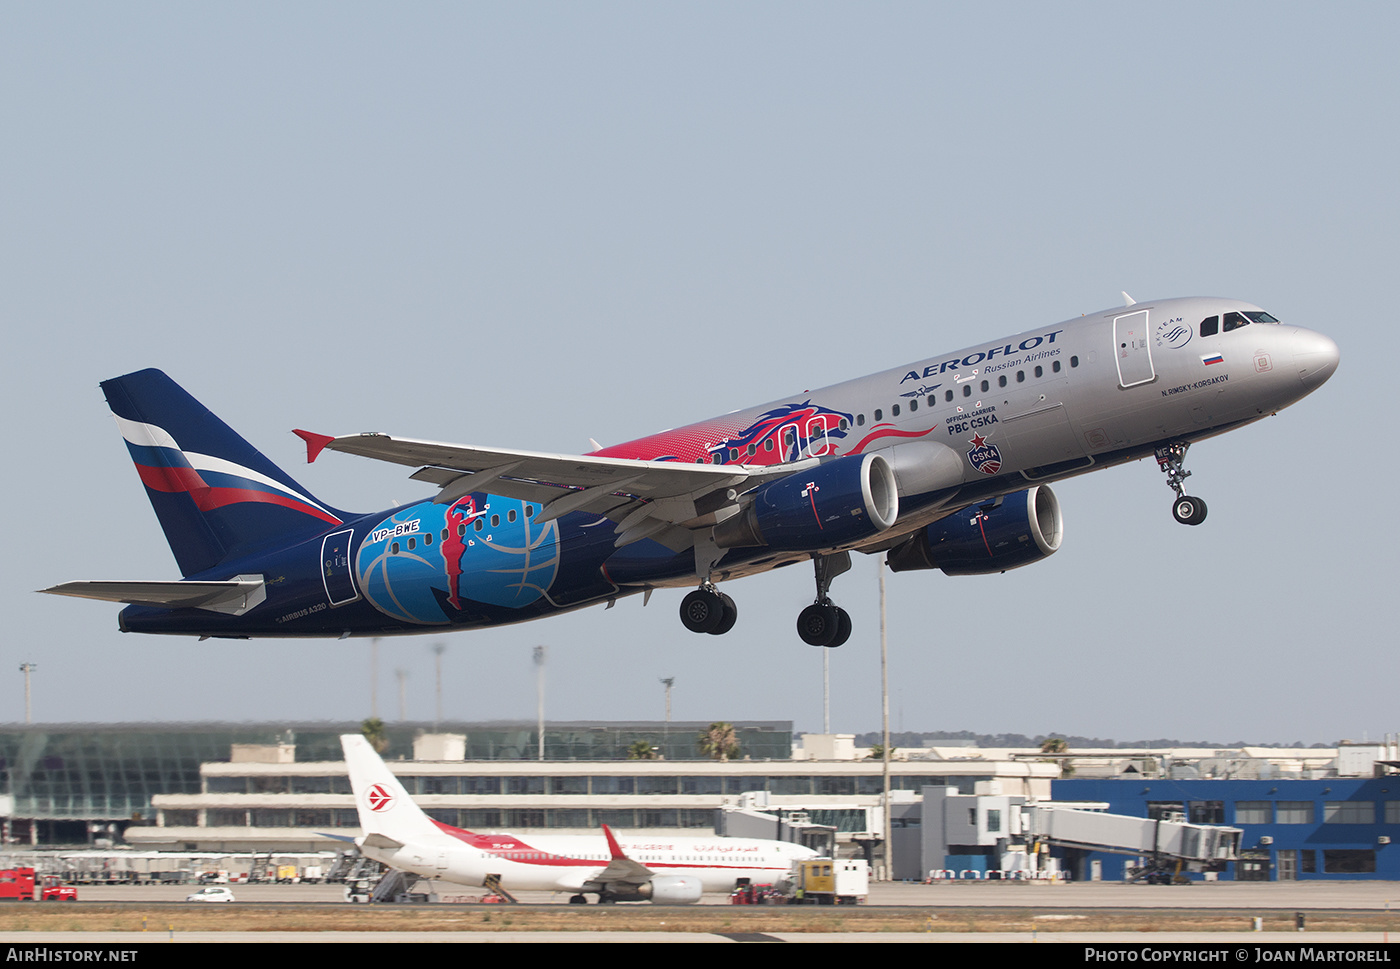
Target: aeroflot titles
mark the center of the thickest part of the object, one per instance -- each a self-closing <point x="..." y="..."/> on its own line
<point x="975" y="358"/>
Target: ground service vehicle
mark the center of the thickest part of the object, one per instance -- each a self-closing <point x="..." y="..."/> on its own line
<point x="823" y="881"/>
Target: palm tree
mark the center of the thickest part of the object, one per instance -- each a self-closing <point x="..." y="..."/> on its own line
<point x="719" y="741"/>
<point x="877" y="751"/>
<point x="1058" y="745"/>
<point x="373" y="729"/>
<point x="641" y="750"/>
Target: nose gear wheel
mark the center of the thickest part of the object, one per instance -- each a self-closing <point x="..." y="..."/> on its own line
<point x="1171" y="460"/>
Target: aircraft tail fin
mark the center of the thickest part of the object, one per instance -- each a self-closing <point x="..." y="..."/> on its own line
<point x="216" y="496"/>
<point x="388" y="816"/>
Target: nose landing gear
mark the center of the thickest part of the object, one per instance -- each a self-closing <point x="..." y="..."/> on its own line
<point x="1171" y="460"/>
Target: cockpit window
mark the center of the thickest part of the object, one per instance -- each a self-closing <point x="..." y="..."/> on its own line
<point x="1259" y="316"/>
<point x="1233" y="321"/>
<point x="1210" y="326"/>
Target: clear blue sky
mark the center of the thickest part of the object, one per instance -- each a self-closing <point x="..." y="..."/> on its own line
<point x="526" y="225"/>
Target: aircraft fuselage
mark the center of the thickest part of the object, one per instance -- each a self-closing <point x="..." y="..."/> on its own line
<point x="956" y="428"/>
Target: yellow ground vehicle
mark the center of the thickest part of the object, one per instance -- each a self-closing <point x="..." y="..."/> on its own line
<point x="824" y="881"/>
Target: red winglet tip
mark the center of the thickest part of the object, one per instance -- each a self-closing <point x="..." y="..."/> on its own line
<point x="315" y="443"/>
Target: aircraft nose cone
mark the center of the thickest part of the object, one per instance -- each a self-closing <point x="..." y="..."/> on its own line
<point x="1317" y="357"/>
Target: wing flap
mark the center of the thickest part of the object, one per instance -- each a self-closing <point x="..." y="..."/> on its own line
<point x="233" y="597"/>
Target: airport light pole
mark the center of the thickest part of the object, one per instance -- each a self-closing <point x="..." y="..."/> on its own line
<point x="885" y="719"/>
<point x="374" y="677"/>
<point x="437" y="670"/>
<point x="26" y="669"/>
<point x="539" y="696"/>
<point x="668" y="682"/>
<point x="402" y="674"/>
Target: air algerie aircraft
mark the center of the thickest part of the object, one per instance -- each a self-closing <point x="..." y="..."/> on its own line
<point x="672" y="871"/>
<point x="943" y="463"/>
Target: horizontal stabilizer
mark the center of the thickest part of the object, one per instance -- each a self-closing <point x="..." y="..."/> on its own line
<point x="233" y="597"/>
<point x="376" y="840"/>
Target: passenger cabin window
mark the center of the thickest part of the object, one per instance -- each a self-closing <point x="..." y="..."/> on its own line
<point x="1039" y="371"/>
<point x="1233" y="321"/>
<point x="1001" y="381"/>
<point x="860" y="420"/>
<point x="913" y="405"/>
<point x="948" y="396"/>
<point x="986" y="386"/>
<point x="1055" y="366"/>
<point x="1020" y="376"/>
<point x="879" y="414"/>
<point x="894" y="410"/>
<point x="1210" y="326"/>
<point x="967" y="390"/>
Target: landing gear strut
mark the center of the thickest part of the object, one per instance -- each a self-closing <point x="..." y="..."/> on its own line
<point x="823" y="623"/>
<point x="1171" y="460"/>
<point x="707" y="610"/>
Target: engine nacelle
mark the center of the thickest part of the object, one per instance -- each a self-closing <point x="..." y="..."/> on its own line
<point x="665" y="890"/>
<point x="841" y="501"/>
<point x="980" y="539"/>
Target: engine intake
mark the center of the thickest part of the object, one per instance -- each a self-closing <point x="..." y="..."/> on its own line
<point x="841" y="501"/>
<point x="980" y="539"/>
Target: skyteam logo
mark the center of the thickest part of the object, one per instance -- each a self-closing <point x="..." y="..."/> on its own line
<point x="983" y="456"/>
<point x="378" y="799"/>
<point x="1173" y="334"/>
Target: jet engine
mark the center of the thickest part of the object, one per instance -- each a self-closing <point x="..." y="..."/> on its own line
<point x="664" y="890"/>
<point x="980" y="539"/>
<point x="840" y="501"/>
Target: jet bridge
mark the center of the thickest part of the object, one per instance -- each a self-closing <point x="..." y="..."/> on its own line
<point x="1168" y="844"/>
<point x="1006" y="830"/>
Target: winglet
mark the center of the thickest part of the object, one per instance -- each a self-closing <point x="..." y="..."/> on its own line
<point x="315" y="443"/>
<point x="613" y="846"/>
<point x="1128" y="300"/>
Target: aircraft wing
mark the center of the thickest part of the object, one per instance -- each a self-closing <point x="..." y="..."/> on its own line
<point x="233" y="597"/>
<point x="621" y="869"/>
<point x="650" y="499"/>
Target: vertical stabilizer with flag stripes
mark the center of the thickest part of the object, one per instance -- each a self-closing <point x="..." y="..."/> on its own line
<point x="217" y="496"/>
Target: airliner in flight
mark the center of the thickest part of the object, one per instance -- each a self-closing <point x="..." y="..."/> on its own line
<point x="670" y="871"/>
<point x="944" y="463"/>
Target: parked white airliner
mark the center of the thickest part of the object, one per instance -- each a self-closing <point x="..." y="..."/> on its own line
<point x="672" y="871"/>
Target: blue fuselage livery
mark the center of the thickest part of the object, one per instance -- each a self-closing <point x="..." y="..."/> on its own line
<point x="944" y="463"/>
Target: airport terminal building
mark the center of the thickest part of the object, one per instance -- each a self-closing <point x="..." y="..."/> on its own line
<point x="957" y="811"/>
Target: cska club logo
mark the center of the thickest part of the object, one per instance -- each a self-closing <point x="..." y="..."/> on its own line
<point x="983" y="456"/>
<point x="379" y="799"/>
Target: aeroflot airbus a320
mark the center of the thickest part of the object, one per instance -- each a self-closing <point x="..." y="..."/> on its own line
<point x="672" y="871"/>
<point x="943" y="463"/>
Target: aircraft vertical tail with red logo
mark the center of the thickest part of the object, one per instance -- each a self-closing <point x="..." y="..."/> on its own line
<point x="217" y="496"/>
<point x="388" y="816"/>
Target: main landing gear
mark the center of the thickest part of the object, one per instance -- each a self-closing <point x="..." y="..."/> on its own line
<point x="707" y="610"/>
<point x="824" y="623"/>
<point x="1171" y="460"/>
